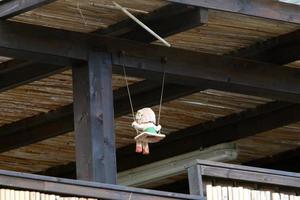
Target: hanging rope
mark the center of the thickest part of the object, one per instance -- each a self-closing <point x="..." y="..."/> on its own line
<point x="81" y="14"/>
<point x="128" y="91"/>
<point x="161" y="96"/>
<point x="129" y="94"/>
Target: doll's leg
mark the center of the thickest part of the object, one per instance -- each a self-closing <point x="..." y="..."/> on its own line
<point x="138" y="147"/>
<point x="145" y="148"/>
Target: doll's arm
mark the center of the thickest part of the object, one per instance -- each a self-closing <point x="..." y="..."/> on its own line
<point x="158" y="128"/>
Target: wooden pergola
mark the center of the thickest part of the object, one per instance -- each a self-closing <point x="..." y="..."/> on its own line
<point x="232" y="76"/>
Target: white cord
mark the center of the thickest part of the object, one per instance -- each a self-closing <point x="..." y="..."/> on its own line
<point x="161" y="97"/>
<point x="128" y="91"/>
<point x="142" y="24"/>
<point x="81" y="14"/>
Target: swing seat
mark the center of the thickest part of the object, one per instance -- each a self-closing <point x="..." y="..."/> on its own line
<point x="149" y="137"/>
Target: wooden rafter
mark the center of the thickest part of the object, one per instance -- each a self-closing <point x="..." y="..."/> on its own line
<point x="269" y="9"/>
<point x="14" y="73"/>
<point x="15" y="7"/>
<point x="286" y="160"/>
<point x="274" y="50"/>
<point x="182" y="66"/>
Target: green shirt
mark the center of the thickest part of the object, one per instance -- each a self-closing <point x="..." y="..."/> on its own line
<point x="150" y="130"/>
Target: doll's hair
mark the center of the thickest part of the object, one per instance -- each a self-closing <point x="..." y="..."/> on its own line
<point x="145" y="115"/>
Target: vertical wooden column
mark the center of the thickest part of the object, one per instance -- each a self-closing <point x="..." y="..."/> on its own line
<point x="94" y="120"/>
<point x="195" y="180"/>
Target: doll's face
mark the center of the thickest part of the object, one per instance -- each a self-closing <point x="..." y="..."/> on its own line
<point x="145" y="115"/>
<point x="138" y="117"/>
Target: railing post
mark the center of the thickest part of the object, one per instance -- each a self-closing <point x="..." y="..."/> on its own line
<point x="195" y="180"/>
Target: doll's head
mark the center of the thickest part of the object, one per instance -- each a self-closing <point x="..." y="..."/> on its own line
<point x="145" y="115"/>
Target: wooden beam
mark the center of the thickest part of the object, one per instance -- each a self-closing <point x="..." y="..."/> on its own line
<point x="249" y="174"/>
<point x="36" y="128"/>
<point x="15" y="7"/>
<point x="182" y="66"/>
<point x="14" y="73"/>
<point x="165" y="21"/>
<point x="286" y="160"/>
<point x="268" y="9"/>
<point x="94" y="120"/>
<point x="83" y="189"/>
<point x="274" y="50"/>
<point x="195" y="180"/>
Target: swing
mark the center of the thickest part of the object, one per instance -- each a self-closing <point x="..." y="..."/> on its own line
<point x="149" y="135"/>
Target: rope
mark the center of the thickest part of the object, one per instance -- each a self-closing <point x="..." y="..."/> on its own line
<point x="128" y="91"/>
<point x="161" y="97"/>
<point x="81" y="14"/>
<point x="129" y="95"/>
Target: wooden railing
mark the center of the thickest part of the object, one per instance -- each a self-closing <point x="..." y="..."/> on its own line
<point x="56" y="188"/>
<point x="241" y="182"/>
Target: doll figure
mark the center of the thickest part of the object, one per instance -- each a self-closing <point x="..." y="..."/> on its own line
<point x="145" y="122"/>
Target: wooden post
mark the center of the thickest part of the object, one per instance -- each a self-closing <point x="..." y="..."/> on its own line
<point x="195" y="180"/>
<point x="94" y="120"/>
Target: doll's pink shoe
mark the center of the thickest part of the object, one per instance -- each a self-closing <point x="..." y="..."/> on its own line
<point x="138" y="148"/>
<point x="145" y="149"/>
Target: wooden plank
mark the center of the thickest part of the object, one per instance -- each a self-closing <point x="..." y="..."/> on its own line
<point x="252" y="174"/>
<point x="83" y="188"/>
<point x="94" y="120"/>
<point x="195" y="180"/>
<point x="269" y="9"/>
<point x="14" y="73"/>
<point x="182" y="66"/>
<point x="15" y="7"/>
